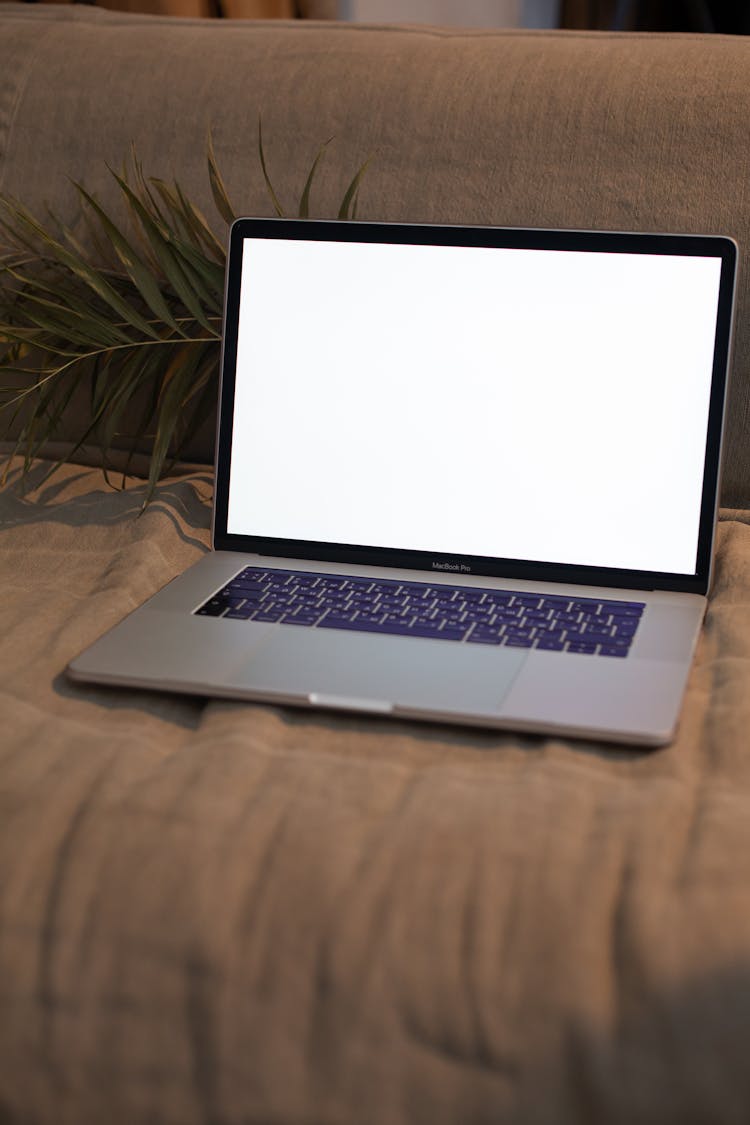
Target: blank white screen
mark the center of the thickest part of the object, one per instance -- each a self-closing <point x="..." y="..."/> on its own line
<point x="523" y="404"/>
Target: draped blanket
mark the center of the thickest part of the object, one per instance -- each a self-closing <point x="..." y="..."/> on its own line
<point x="232" y="913"/>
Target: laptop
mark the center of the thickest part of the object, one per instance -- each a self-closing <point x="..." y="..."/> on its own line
<point x="463" y="474"/>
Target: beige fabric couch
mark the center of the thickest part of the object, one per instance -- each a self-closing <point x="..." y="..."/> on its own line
<point x="212" y="912"/>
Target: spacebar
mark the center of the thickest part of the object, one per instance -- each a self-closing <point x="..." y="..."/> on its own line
<point x="393" y="628"/>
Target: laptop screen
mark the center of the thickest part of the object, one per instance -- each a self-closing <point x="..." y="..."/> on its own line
<point x="497" y="402"/>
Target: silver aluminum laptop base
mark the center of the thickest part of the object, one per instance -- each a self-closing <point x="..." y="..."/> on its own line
<point x="634" y="700"/>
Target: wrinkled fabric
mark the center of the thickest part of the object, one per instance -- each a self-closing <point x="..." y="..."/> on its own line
<point x="223" y="912"/>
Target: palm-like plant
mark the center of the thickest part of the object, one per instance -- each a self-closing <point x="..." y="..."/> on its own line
<point x="136" y="320"/>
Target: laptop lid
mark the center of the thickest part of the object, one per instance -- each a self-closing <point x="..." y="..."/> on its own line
<point x="518" y="403"/>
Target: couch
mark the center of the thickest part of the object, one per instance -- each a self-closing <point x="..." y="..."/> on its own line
<point x="232" y="914"/>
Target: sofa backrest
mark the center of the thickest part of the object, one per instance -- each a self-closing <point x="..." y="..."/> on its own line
<point x="569" y="129"/>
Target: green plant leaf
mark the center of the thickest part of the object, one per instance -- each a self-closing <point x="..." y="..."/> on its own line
<point x="195" y="222"/>
<point x="166" y="252"/>
<point x="75" y="311"/>
<point x="274" y="198"/>
<point x="304" y="203"/>
<point x="94" y="279"/>
<point x="218" y="190"/>
<point x="350" y="196"/>
<point x="176" y="389"/>
<point x="136" y="270"/>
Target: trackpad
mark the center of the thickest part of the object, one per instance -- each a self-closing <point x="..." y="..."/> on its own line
<point x="406" y="671"/>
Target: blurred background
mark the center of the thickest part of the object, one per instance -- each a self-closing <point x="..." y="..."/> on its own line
<point x="720" y="16"/>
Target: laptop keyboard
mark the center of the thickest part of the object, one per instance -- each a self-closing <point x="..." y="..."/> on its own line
<point x="555" y="623"/>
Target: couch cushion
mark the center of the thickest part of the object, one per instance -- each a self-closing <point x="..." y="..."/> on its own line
<point x="570" y="129"/>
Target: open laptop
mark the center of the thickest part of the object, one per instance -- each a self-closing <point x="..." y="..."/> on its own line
<point x="463" y="474"/>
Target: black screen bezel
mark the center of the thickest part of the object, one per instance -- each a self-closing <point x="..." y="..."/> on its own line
<point x="512" y="238"/>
